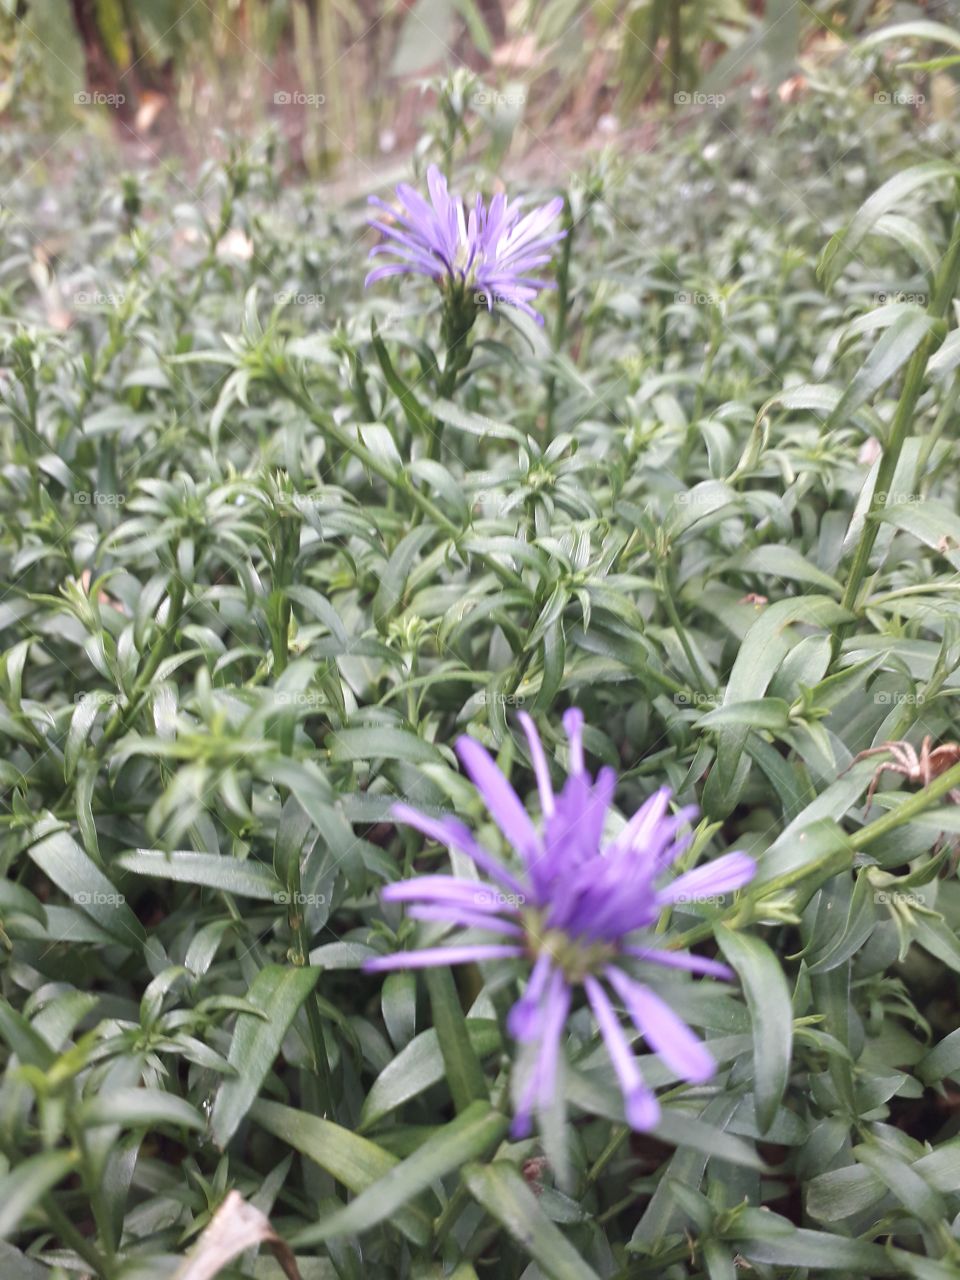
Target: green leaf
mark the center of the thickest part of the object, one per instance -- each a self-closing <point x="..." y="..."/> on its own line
<point x="474" y="1132"/>
<point x="929" y="32"/>
<point x="818" y="1249"/>
<point x="783" y="562"/>
<point x="398" y="1000"/>
<point x="771" y="1012"/>
<point x="462" y="1066"/>
<point x="141" y="1109"/>
<point x="28" y="1183"/>
<point x="500" y="1190"/>
<point x="762" y="713"/>
<point x="892" y="194"/>
<point x="475" y="424"/>
<point x="382" y="743"/>
<point x="931" y="522"/>
<point x="22" y="1039"/>
<point x="279" y="992"/>
<point x="62" y="860"/>
<point x="413" y="410"/>
<point x="247" y="878"/>
<point x="354" y="1161"/>
<point x="393" y="583"/>
<point x="885" y="358"/>
<point x="418" y="1067"/>
<point x="764" y="648"/>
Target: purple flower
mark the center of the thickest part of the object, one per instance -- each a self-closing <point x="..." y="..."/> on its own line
<point x="576" y="911"/>
<point x="492" y="251"/>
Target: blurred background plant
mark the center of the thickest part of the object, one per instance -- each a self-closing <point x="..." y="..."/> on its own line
<point x="345" y="80"/>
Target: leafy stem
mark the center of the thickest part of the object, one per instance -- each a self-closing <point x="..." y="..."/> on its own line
<point x="944" y="290"/>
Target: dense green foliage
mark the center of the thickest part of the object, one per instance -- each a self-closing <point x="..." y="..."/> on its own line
<point x="256" y="578"/>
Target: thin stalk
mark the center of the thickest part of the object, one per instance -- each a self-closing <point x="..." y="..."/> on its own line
<point x="563" y="308"/>
<point x="369" y="460"/>
<point x="396" y="480"/>
<point x="916" y="804"/>
<point x="72" y="1238"/>
<point x="945" y="289"/>
<point x="666" y="596"/>
<point x="906" y="812"/>
<point x="157" y="655"/>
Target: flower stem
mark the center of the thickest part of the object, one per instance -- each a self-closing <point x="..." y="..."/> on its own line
<point x="563" y="308"/>
<point x="916" y="804"/>
<point x="944" y="290"/>
<point x="906" y="812"/>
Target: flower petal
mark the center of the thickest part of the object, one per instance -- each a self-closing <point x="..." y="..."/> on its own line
<point x="713" y="879"/>
<point x="642" y="1108"/>
<point x="430" y="957"/>
<point x="667" y="1034"/>
<point x="454" y="835"/>
<point x="524" y="1018"/>
<point x="540" y="767"/>
<point x="573" y="727"/>
<point x="451" y="913"/>
<point x="500" y="798"/>
<point x="681" y="960"/>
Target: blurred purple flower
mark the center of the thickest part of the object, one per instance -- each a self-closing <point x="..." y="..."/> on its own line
<point x="574" y="911"/>
<point x="490" y="252"/>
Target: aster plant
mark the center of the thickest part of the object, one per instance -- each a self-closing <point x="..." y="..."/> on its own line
<point x="578" y="911"/>
<point x="491" y="254"/>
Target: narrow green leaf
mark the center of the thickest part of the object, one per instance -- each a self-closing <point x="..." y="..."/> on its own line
<point x="471" y="1135"/>
<point x="62" y="860"/>
<point x="771" y="1012"/>
<point x="211" y="870"/>
<point x="354" y="1161"/>
<point x="463" y="1070"/>
<point x="141" y="1109"/>
<point x="501" y="1191"/>
<point x="29" y="1181"/>
<point x="279" y="992"/>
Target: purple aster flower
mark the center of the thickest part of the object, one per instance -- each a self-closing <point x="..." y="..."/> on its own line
<point x="492" y="251"/>
<point x="577" y="910"/>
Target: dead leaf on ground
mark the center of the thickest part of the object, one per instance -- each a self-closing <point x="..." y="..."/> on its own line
<point x="236" y="1227"/>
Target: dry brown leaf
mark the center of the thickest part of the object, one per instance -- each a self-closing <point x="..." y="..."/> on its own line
<point x="519" y="55"/>
<point x="151" y="104"/>
<point x="233" y="1229"/>
<point x="235" y="244"/>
